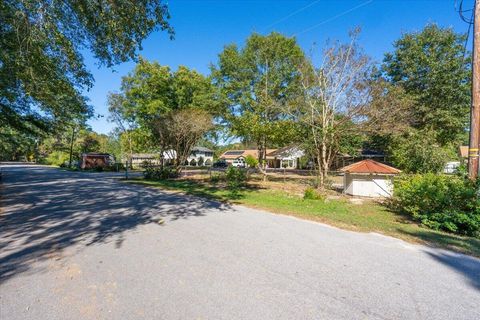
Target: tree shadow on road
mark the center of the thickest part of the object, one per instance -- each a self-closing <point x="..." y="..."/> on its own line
<point x="46" y="211"/>
<point x="467" y="266"/>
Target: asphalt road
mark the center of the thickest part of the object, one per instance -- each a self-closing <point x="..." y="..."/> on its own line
<point x="86" y="246"/>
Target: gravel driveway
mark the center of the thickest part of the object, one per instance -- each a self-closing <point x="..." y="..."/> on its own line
<point x="86" y="246"/>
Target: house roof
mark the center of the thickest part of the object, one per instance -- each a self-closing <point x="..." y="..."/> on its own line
<point x="285" y="151"/>
<point x="370" y="166"/>
<point x="96" y="154"/>
<point x="234" y="154"/>
<point x="201" y="149"/>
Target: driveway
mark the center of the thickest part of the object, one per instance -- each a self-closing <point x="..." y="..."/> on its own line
<point x="87" y="246"/>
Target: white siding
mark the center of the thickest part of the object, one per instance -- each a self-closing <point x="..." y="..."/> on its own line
<point x="372" y="185"/>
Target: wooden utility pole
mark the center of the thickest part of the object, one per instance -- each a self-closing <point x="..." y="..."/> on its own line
<point x="475" y="108"/>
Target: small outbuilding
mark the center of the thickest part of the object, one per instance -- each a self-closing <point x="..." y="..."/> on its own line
<point x="94" y="160"/>
<point x="369" y="178"/>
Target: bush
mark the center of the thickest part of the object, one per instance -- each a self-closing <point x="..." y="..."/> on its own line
<point x="251" y="161"/>
<point x="57" y="158"/>
<point x="312" y="194"/>
<point x="157" y="173"/>
<point x="440" y="202"/>
<point x="235" y="177"/>
<point x="216" y="178"/>
<point x="418" y="152"/>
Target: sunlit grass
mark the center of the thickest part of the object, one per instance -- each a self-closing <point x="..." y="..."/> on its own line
<point x="367" y="217"/>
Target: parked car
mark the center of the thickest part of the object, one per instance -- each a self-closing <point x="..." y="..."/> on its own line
<point x="451" y="167"/>
<point x="220" y="164"/>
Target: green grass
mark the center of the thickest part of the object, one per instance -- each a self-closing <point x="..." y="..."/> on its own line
<point x="367" y="217"/>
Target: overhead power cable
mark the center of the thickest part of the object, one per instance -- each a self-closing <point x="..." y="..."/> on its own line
<point x="292" y="14"/>
<point x="333" y="18"/>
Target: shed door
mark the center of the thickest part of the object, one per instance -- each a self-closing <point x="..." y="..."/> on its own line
<point x="364" y="187"/>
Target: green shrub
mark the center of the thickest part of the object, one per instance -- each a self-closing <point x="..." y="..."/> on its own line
<point x="235" y="177"/>
<point x="313" y="194"/>
<point x="216" y="178"/>
<point x="57" y="158"/>
<point x="440" y="202"/>
<point x="418" y="152"/>
<point x="251" y="161"/>
<point x="157" y="173"/>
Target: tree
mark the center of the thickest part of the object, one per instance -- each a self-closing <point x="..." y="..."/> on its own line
<point x="181" y="130"/>
<point x="255" y="82"/>
<point x="431" y="67"/>
<point x="334" y="95"/>
<point x="42" y="72"/>
<point x="163" y="106"/>
<point x="419" y="152"/>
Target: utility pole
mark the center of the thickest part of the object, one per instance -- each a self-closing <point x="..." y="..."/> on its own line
<point x="475" y="107"/>
<point x="71" y="147"/>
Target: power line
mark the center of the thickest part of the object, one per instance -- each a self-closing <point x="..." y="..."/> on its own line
<point x="292" y="14"/>
<point x="334" y="17"/>
<point x="461" y="12"/>
<point x="469" y="21"/>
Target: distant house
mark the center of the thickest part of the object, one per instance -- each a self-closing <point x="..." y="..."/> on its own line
<point x="199" y="156"/>
<point x="286" y="157"/>
<point x="139" y="159"/>
<point x="345" y="159"/>
<point x="238" y="156"/>
<point x="369" y="178"/>
<point x="94" y="160"/>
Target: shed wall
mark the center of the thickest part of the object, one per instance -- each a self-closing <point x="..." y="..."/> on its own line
<point x="372" y="185"/>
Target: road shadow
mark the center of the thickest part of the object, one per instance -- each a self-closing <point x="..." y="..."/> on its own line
<point x="45" y="211"/>
<point x="467" y="266"/>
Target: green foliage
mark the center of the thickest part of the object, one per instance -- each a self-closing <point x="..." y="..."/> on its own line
<point x="418" y="152"/>
<point x="255" y="81"/>
<point x="313" y="194"/>
<point x="251" y="161"/>
<point x="158" y="173"/>
<point x="216" y="177"/>
<point x="57" y="158"/>
<point x="42" y="72"/>
<point x="159" y="109"/>
<point x="236" y="178"/>
<point x="440" y="202"/>
<point x="430" y="66"/>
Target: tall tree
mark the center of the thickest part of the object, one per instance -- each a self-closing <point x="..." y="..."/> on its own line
<point x="42" y="72"/>
<point x="333" y="97"/>
<point x="431" y="67"/>
<point x="256" y="81"/>
<point x="154" y="99"/>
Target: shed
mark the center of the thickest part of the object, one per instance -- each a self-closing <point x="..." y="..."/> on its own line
<point x="92" y="160"/>
<point x="369" y="178"/>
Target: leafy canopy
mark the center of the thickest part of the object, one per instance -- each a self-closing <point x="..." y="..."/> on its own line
<point x="255" y="81"/>
<point x="42" y="72"/>
<point x="431" y="67"/>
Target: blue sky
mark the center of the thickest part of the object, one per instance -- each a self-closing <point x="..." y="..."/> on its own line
<point x="204" y="27"/>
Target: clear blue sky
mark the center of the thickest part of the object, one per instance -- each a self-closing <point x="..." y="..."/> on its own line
<point x="204" y="27"/>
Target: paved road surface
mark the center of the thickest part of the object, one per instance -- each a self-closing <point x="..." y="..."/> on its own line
<point x="85" y="246"/>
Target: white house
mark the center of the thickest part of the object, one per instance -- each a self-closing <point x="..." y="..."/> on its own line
<point x="199" y="156"/>
<point x="369" y="178"/>
<point x="287" y="157"/>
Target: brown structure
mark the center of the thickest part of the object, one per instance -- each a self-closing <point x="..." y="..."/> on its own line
<point x="475" y="108"/>
<point x="369" y="178"/>
<point x="95" y="160"/>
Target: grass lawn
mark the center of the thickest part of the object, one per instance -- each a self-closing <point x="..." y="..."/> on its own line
<point x="366" y="217"/>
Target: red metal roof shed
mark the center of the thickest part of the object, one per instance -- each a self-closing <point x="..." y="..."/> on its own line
<point x="369" y="166"/>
